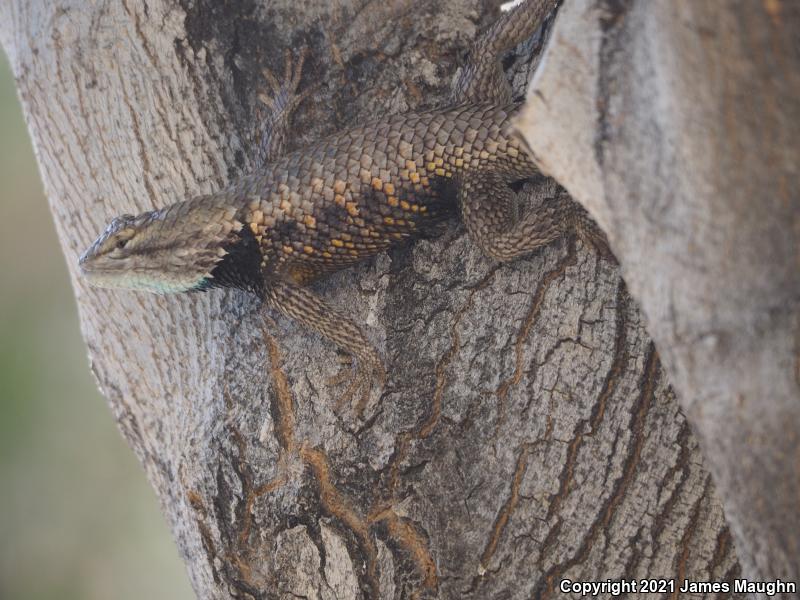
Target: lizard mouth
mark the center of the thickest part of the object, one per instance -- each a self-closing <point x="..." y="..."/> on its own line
<point x="85" y="263"/>
<point x="101" y="278"/>
<point x="85" y="259"/>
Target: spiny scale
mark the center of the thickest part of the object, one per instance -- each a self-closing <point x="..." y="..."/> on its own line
<point x="353" y="194"/>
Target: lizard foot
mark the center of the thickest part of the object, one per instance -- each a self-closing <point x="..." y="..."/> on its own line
<point x="365" y="365"/>
<point x="283" y="97"/>
<point x="590" y="233"/>
<point x="345" y="369"/>
<point x="280" y="99"/>
<point x="361" y="375"/>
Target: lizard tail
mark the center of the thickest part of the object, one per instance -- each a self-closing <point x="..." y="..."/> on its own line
<point x="482" y="78"/>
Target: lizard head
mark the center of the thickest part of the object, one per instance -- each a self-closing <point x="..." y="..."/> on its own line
<point x="174" y="249"/>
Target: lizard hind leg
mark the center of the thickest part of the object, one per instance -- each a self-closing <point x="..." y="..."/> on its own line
<point x="307" y="308"/>
<point x="499" y="222"/>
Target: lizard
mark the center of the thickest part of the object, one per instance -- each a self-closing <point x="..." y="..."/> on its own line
<point x="300" y="215"/>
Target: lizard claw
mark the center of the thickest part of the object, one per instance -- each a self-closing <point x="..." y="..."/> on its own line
<point x="283" y="96"/>
<point x="345" y="370"/>
<point x="362" y="374"/>
<point x="281" y="99"/>
<point x="590" y="233"/>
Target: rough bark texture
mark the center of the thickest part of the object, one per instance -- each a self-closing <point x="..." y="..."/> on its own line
<point x="528" y="432"/>
<point x="677" y="125"/>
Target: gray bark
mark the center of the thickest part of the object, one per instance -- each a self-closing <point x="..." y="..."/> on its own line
<point x="527" y="433"/>
<point x="677" y="125"/>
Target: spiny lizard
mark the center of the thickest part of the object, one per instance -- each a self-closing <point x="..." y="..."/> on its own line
<point x="348" y="197"/>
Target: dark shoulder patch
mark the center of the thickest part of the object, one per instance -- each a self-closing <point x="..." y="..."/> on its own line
<point x="240" y="268"/>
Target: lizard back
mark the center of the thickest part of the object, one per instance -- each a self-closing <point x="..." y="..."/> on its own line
<point x="351" y="195"/>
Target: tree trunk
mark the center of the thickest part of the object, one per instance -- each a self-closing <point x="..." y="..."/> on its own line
<point x="677" y="124"/>
<point x="527" y="433"/>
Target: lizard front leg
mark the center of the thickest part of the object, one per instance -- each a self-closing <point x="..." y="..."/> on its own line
<point x="306" y="307"/>
<point x="281" y="101"/>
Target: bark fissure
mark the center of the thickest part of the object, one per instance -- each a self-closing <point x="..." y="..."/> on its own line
<point x="608" y="509"/>
<point x="619" y="360"/>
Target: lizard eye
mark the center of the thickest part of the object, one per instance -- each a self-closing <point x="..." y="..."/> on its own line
<point x="121" y="243"/>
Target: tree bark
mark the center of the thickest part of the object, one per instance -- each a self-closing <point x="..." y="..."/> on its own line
<point x="527" y="433"/>
<point x="677" y="125"/>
